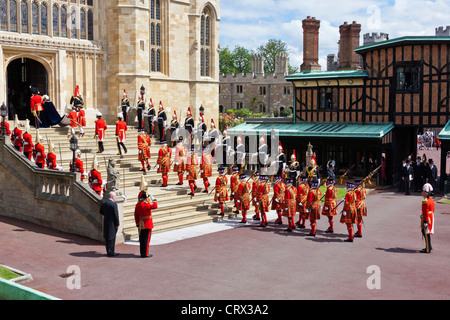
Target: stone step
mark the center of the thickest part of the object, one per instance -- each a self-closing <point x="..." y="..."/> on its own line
<point x="176" y="209"/>
<point x="177" y="221"/>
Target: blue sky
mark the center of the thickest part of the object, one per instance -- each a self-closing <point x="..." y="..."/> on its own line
<point x="250" y="23"/>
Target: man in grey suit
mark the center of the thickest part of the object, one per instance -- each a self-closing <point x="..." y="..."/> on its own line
<point x="110" y="223"/>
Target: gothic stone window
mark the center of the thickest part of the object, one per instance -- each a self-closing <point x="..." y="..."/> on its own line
<point x="57" y="18"/>
<point x="155" y="35"/>
<point x="205" y="43"/>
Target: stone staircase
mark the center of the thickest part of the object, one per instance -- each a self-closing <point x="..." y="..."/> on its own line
<point x="176" y="209"/>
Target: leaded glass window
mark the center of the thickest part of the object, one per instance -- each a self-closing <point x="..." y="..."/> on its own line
<point x="35" y="18"/>
<point x="43" y="18"/>
<point x="12" y="16"/>
<point x="205" y="43"/>
<point x="83" y="24"/>
<point x="24" y="16"/>
<point x="63" y="18"/>
<point x="156" y="36"/>
<point x="3" y="15"/>
<point x="90" y="24"/>
<point x="55" y="15"/>
<point x="73" y="22"/>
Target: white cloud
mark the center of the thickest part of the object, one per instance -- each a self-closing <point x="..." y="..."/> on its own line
<point x="250" y="23"/>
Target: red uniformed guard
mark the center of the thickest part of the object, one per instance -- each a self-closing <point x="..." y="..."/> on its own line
<point x="191" y="169"/>
<point x="39" y="152"/>
<point x="329" y="208"/>
<point x="121" y="134"/>
<point x="263" y="199"/>
<point x="144" y="221"/>
<point x="243" y="195"/>
<point x="290" y="203"/>
<point x="361" y="208"/>
<point x="234" y="184"/>
<point x="349" y="212"/>
<point x="100" y="131"/>
<point x="206" y="168"/>
<point x="427" y="217"/>
<point x="278" y="197"/>
<point x="302" y="195"/>
<point x="81" y="120"/>
<point x="51" y="158"/>
<point x="95" y="178"/>
<point x="180" y="160"/>
<point x="16" y="136"/>
<point x="221" y="195"/>
<point x="79" y="166"/>
<point x="36" y="104"/>
<point x="255" y="186"/>
<point x="27" y="141"/>
<point x="163" y="163"/>
<point x="5" y="124"/>
<point x="144" y="143"/>
<point x="313" y="206"/>
<point x="73" y="116"/>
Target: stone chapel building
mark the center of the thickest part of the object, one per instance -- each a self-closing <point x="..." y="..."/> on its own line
<point x="171" y="47"/>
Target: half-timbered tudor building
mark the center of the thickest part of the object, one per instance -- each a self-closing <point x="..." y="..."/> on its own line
<point x="382" y="95"/>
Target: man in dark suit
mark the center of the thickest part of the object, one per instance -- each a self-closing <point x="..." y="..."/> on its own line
<point x="418" y="168"/>
<point x="110" y="223"/>
<point x="432" y="175"/>
<point x="408" y="177"/>
<point x="402" y="174"/>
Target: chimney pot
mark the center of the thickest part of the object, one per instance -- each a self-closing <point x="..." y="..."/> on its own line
<point x="311" y="28"/>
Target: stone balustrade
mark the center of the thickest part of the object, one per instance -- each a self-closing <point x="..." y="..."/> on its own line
<point x="54" y="199"/>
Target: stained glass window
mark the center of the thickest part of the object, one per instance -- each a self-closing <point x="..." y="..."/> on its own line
<point x="73" y="22"/>
<point x="158" y="60"/>
<point x="55" y="13"/>
<point x="90" y="25"/>
<point x="153" y="60"/>
<point x="3" y="16"/>
<point x="156" y="32"/>
<point x="43" y="18"/>
<point x="152" y="34"/>
<point x="24" y="16"/>
<point x="83" y="24"/>
<point x="202" y="63"/>
<point x="205" y="43"/>
<point x="12" y="16"/>
<point x="35" y="18"/>
<point x="63" y="22"/>
<point x="207" y="31"/>
<point x="158" y="35"/>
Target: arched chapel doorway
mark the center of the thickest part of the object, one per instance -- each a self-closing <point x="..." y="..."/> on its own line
<point x="20" y="74"/>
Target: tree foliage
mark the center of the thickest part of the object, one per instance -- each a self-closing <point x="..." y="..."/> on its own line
<point x="237" y="61"/>
<point x="240" y="59"/>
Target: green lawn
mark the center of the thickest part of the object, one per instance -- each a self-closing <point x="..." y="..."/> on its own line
<point x="7" y="274"/>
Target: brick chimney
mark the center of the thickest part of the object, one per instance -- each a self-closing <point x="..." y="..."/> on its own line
<point x="311" y="45"/>
<point x="350" y="34"/>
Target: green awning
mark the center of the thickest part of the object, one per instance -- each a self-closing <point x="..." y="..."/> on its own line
<point x="445" y="133"/>
<point x="315" y="129"/>
<point x="321" y="75"/>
